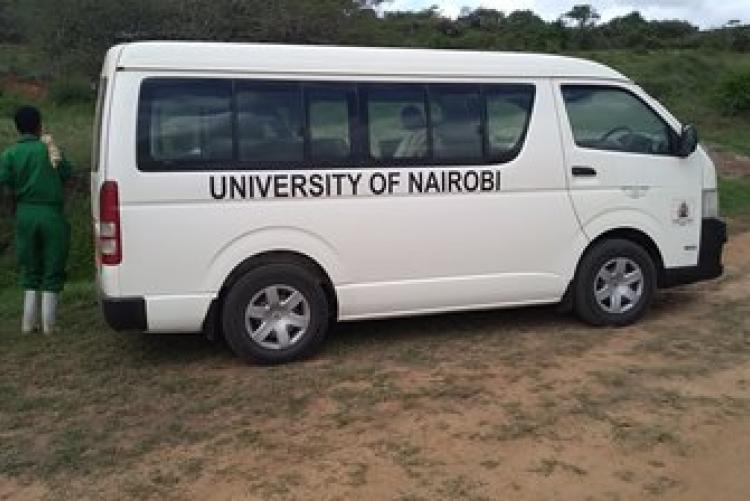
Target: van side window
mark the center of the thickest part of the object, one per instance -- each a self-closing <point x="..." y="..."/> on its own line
<point x="244" y="124"/>
<point x="397" y="121"/>
<point x="187" y="120"/>
<point x="270" y="123"/>
<point x="456" y="114"/>
<point x="609" y="118"/>
<point x="329" y="113"/>
<point x="508" y="114"/>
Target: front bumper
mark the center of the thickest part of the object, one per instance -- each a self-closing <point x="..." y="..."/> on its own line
<point x="125" y="314"/>
<point x="713" y="238"/>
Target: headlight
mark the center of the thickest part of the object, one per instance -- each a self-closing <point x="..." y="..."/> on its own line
<point x="710" y="203"/>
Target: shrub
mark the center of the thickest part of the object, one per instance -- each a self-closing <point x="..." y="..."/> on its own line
<point x="71" y="91"/>
<point x="9" y="103"/>
<point x="659" y="87"/>
<point x="734" y="92"/>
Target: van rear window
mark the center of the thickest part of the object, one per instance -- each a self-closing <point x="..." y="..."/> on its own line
<point x="213" y="124"/>
<point x="187" y="121"/>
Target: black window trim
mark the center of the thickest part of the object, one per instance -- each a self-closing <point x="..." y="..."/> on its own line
<point x="513" y="153"/>
<point x="673" y="135"/>
<point x="349" y="91"/>
<point x="469" y="88"/>
<point x="358" y="125"/>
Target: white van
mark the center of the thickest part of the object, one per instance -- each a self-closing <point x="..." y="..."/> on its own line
<point x="267" y="191"/>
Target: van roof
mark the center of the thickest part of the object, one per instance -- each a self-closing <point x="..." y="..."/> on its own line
<point x="351" y="61"/>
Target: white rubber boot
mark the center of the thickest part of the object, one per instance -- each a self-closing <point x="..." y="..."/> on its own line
<point x="30" y="321"/>
<point x="49" y="312"/>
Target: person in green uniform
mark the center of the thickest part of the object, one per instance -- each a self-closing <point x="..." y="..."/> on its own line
<point x="35" y="172"/>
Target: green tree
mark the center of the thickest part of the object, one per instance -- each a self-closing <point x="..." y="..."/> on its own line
<point x="482" y="19"/>
<point x="629" y="31"/>
<point x="10" y="30"/>
<point x="584" y="15"/>
<point x="741" y="39"/>
<point x="76" y="33"/>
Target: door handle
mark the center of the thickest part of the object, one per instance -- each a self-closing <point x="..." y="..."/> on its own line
<point x="583" y="171"/>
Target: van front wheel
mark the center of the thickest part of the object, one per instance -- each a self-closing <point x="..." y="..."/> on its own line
<point x="275" y="313"/>
<point x="615" y="283"/>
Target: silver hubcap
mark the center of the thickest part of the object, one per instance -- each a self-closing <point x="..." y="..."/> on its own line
<point x="618" y="286"/>
<point x="277" y="317"/>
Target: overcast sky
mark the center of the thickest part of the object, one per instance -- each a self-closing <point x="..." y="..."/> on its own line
<point x="704" y="13"/>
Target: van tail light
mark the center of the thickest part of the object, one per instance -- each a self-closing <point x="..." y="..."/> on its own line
<point x="110" y="241"/>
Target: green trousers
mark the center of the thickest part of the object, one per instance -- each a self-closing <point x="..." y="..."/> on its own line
<point x="42" y="243"/>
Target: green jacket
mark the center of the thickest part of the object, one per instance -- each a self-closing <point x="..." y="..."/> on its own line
<point x="26" y="169"/>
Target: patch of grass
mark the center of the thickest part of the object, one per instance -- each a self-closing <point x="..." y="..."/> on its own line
<point x="192" y="466"/>
<point x="644" y="436"/>
<point x="522" y="423"/>
<point x="660" y="485"/>
<point x="72" y="90"/>
<point x="734" y="92"/>
<point x="461" y="488"/>
<point x="358" y="475"/>
<point x="548" y="466"/>
<point x="278" y="487"/>
<point x="23" y="61"/>
<point x="490" y="464"/>
<point x="405" y="454"/>
<point x="723" y="342"/>
<point x="413" y="497"/>
<point x="625" y="475"/>
<point x="85" y="400"/>
<point x="734" y="196"/>
<point x="9" y="103"/>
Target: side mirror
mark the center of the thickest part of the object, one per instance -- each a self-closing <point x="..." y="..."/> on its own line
<point x="688" y="141"/>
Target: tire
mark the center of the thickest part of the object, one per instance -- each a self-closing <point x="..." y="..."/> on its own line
<point x="275" y="313"/>
<point x="607" y="290"/>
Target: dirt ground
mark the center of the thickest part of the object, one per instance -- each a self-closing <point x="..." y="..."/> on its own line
<point x="523" y="404"/>
<point x="22" y="87"/>
<point x="637" y="413"/>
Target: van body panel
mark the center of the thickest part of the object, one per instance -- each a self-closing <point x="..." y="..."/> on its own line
<point x="391" y="299"/>
<point x="175" y="313"/>
<point x="708" y="169"/>
<point x="326" y="61"/>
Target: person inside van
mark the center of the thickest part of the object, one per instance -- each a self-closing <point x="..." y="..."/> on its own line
<point x="414" y="142"/>
<point x="34" y="170"/>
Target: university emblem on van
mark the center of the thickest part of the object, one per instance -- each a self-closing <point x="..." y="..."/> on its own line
<point x="682" y="212"/>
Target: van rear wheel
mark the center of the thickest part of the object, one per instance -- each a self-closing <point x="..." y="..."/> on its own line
<point x="275" y="313"/>
<point x="615" y="284"/>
